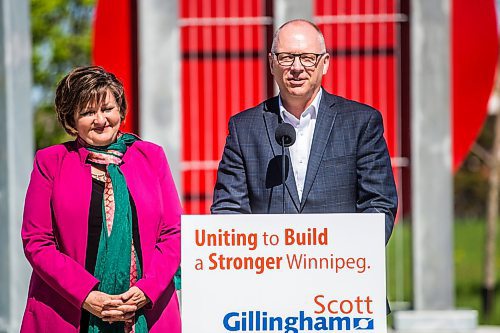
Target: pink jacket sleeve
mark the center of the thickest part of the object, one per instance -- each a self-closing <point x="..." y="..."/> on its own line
<point x="59" y="271"/>
<point x="167" y="254"/>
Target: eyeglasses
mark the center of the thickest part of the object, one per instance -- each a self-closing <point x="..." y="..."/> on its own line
<point x="306" y="59"/>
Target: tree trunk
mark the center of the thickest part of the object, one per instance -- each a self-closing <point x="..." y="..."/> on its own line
<point x="492" y="217"/>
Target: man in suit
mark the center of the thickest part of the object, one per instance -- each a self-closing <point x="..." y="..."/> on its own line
<point x="339" y="162"/>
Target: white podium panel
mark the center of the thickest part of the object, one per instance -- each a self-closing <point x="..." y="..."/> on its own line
<point x="283" y="273"/>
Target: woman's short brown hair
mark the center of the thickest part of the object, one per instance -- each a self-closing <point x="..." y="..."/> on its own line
<point x="81" y="86"/>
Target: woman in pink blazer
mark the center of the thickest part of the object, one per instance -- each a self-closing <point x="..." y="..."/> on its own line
<point x="101" y="224"/>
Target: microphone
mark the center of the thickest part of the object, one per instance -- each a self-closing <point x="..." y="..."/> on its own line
<point x="285" y="136"/>
<point x="287" y="132"/>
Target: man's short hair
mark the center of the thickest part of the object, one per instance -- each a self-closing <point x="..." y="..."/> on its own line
<point x="276" y="33"/>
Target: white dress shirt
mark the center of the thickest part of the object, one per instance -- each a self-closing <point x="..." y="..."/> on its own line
<point x="304" y="128"/>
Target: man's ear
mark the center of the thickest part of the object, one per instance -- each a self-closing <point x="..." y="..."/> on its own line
<point x="326" y="63"/>
<point x="271" y="62"/>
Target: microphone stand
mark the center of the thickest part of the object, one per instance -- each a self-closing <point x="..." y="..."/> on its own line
<point x="283" y="169"/>
<point x="285" y="137"/>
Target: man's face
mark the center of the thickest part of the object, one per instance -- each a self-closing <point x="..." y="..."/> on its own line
<point x="296" y="81"/>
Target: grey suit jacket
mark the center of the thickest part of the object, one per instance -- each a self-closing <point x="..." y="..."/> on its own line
<point x="349" y="168"/>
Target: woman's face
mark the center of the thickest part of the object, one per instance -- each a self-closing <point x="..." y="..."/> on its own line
<point x="98" y="125"/>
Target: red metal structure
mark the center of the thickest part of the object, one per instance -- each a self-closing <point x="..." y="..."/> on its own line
<point x="115" y="48"/>
<point x="225" y="70"/>
<point x="224" y="46"/>
<point x="364" y="41"/>
<point x="474" y="58"/>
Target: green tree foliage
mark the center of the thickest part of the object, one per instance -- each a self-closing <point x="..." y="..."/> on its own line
<point x="471" y="181"/>
<point x="61" y="32"/>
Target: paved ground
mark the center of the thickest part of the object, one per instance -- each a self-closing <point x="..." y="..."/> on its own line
<point x="480" y="329"/>
<point x="488" y="329"/>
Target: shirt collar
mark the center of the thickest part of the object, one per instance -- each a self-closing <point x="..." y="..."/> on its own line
<point x="311" y="109"/>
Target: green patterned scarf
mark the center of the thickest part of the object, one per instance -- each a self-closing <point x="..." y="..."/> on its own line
<point x="114" y="256"/>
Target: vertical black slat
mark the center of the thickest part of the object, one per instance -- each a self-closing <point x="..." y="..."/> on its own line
<point x="405" y="106"/>
<point x="134" y="56"/>
<point x="269" y="31"/>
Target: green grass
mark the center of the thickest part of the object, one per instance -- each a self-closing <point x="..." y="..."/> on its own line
<point x="468" y="257"/>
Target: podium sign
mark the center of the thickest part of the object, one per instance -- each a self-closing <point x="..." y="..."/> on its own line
<point x="283" y="273"/>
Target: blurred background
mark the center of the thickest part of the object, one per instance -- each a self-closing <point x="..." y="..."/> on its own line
<point x="188" y="65"/>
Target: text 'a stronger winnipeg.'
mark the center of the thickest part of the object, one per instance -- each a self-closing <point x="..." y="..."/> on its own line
<point x="260" y="264"/>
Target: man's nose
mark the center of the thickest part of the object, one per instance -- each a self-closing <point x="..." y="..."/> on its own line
<point x="296" y="64"/>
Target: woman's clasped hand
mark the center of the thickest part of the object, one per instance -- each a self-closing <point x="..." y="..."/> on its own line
<point x="111" y="308"/>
